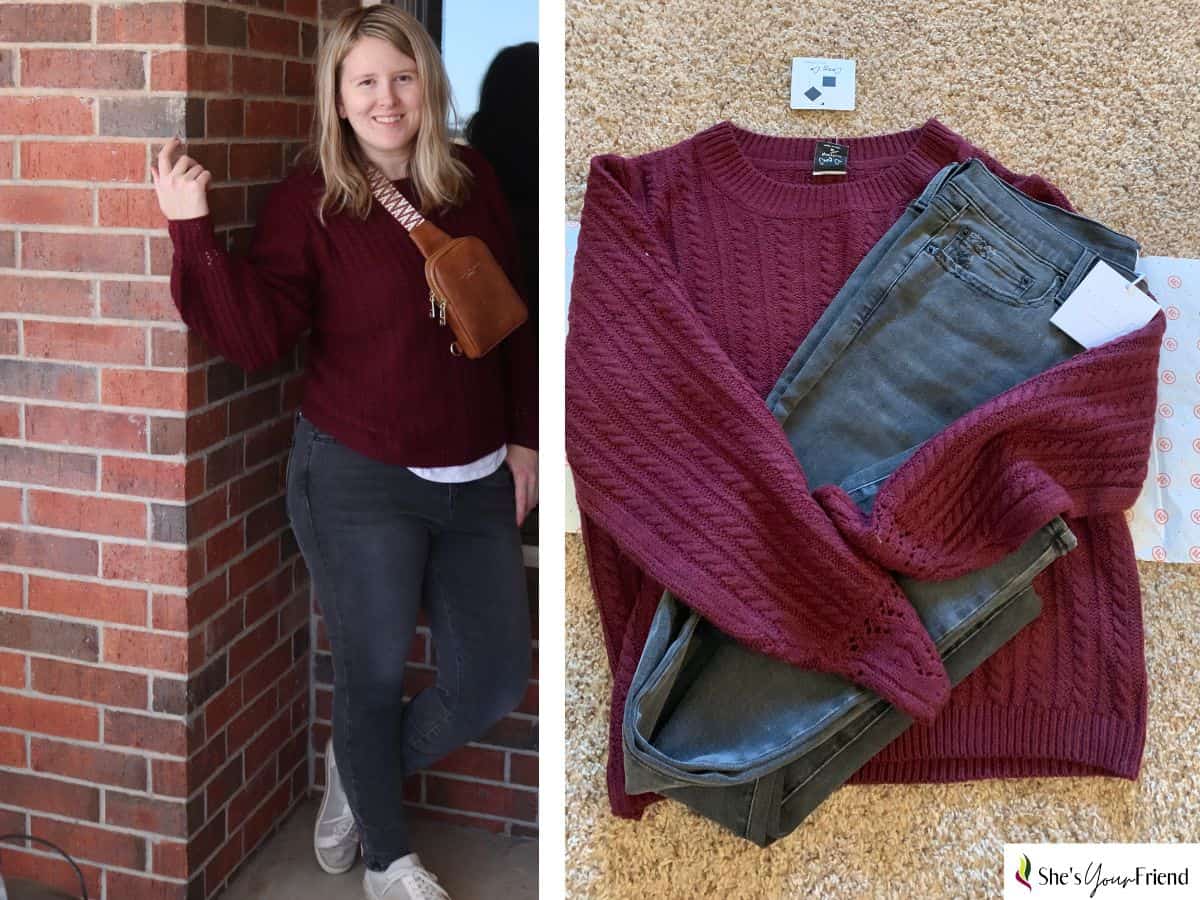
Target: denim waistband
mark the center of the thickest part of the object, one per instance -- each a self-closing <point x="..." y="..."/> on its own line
<point x="1066" y="240"/>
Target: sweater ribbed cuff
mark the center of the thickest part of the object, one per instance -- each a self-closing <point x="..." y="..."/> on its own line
<point x="522" y="425"/>
<point x="879" y="643"/>
<point x="912" y="679"/>
<point x="192" y="237"/>
<point x="524" y="436"/>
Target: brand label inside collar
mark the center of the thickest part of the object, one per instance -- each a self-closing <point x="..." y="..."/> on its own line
<point x="830" y="158"/>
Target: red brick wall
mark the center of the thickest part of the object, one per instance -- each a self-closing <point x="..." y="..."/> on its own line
<point x="154" y="664"/>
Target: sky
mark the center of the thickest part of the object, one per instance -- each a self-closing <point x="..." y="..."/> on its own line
<point x="473" y="32"/>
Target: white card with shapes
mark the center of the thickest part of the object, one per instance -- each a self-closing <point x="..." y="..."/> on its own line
<point x="820" y="83"/>
<point x="1165" y="520"/>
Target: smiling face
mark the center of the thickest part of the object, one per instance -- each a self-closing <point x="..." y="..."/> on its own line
<point x="379" y="94"/>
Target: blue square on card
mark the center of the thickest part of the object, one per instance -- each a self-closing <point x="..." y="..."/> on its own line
<point x="829" y="81"/>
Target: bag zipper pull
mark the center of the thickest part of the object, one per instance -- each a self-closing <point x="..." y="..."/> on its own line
<point x="432" y="305"/>
<point x="442" y="311"/>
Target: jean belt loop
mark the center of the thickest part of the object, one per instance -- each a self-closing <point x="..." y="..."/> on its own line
<point x="935" y="184"/>
<point x="764" y="807"/>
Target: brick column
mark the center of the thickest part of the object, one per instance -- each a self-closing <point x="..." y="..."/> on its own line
<point x="154" y="610"/>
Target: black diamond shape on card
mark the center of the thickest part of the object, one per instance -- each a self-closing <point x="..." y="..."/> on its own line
<point x="812" y="93"/>
<point x="829" y="81"/>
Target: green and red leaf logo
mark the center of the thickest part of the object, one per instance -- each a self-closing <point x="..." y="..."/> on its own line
<point x="1023" y="872"/>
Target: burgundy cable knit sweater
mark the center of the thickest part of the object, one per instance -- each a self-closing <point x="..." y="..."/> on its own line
<point x="379" y="376"/>
<point x="700" y="268"/>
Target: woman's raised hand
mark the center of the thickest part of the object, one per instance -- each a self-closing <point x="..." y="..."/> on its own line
<point x="180" y="187"/>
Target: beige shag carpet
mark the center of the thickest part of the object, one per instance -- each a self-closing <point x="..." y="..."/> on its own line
<point x="1101" y="98"/>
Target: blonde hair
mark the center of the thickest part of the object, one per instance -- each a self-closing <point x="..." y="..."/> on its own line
<point x="440" y="180"/>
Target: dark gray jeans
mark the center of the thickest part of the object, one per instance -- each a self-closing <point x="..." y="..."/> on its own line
<point x="949" y="309"/>
<point x="379" y="543"/>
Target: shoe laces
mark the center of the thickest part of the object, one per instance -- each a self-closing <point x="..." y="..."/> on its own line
<point x="341" y="827"/>
<point x="419" y="882"/>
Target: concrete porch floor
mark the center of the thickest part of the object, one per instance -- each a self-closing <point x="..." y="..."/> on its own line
<point x="471" y="864"/>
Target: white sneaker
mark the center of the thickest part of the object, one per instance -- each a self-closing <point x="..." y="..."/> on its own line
<point x="335" y="835"/>
<point x="405" y="879"/>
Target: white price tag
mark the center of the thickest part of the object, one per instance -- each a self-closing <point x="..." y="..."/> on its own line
<point x="1103" y="307"/>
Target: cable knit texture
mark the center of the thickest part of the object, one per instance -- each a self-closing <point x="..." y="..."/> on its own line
<point x="700" y="268"/>
<point x="379" y="373"/>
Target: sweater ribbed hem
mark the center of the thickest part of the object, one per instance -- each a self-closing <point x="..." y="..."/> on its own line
<point x="992" y="742"/>
<point x="894" y="168"/>
<point x="383" y="447"/>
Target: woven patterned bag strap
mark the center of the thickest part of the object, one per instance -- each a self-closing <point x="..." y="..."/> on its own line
<point x="392" y="200"/>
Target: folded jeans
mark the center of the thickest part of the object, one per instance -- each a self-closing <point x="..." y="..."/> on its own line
<point x="756" y="744"/>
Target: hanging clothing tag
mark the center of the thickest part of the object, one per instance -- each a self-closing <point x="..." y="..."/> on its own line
<point x="830" y="158"/>
<point x="1103" y="307"/>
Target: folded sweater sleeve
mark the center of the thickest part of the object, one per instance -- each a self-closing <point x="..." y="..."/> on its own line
<point x="677" y="458"/>
<point x="1073" y="441"/>
<point x="250" y="309"/>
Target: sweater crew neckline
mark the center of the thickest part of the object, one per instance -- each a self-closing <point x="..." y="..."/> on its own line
<point x="895" y="162"/>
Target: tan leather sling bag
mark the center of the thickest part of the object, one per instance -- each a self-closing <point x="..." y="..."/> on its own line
<point x="467" y="288"/>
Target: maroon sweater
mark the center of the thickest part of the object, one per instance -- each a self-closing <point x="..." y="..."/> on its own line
<point x="379" y="374"/>
<point x="700" y="268"/>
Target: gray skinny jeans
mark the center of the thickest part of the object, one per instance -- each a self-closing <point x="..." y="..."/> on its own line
<point x="380" y="542"/>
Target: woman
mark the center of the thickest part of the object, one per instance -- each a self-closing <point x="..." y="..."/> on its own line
<point x="411" y="468"/>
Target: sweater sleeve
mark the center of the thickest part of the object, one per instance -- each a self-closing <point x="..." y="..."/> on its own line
<point x="1073" y="441"/>
<point x="677" y="458"/>
<point x="251" y="310"/>
<point x="519" y="351"/>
